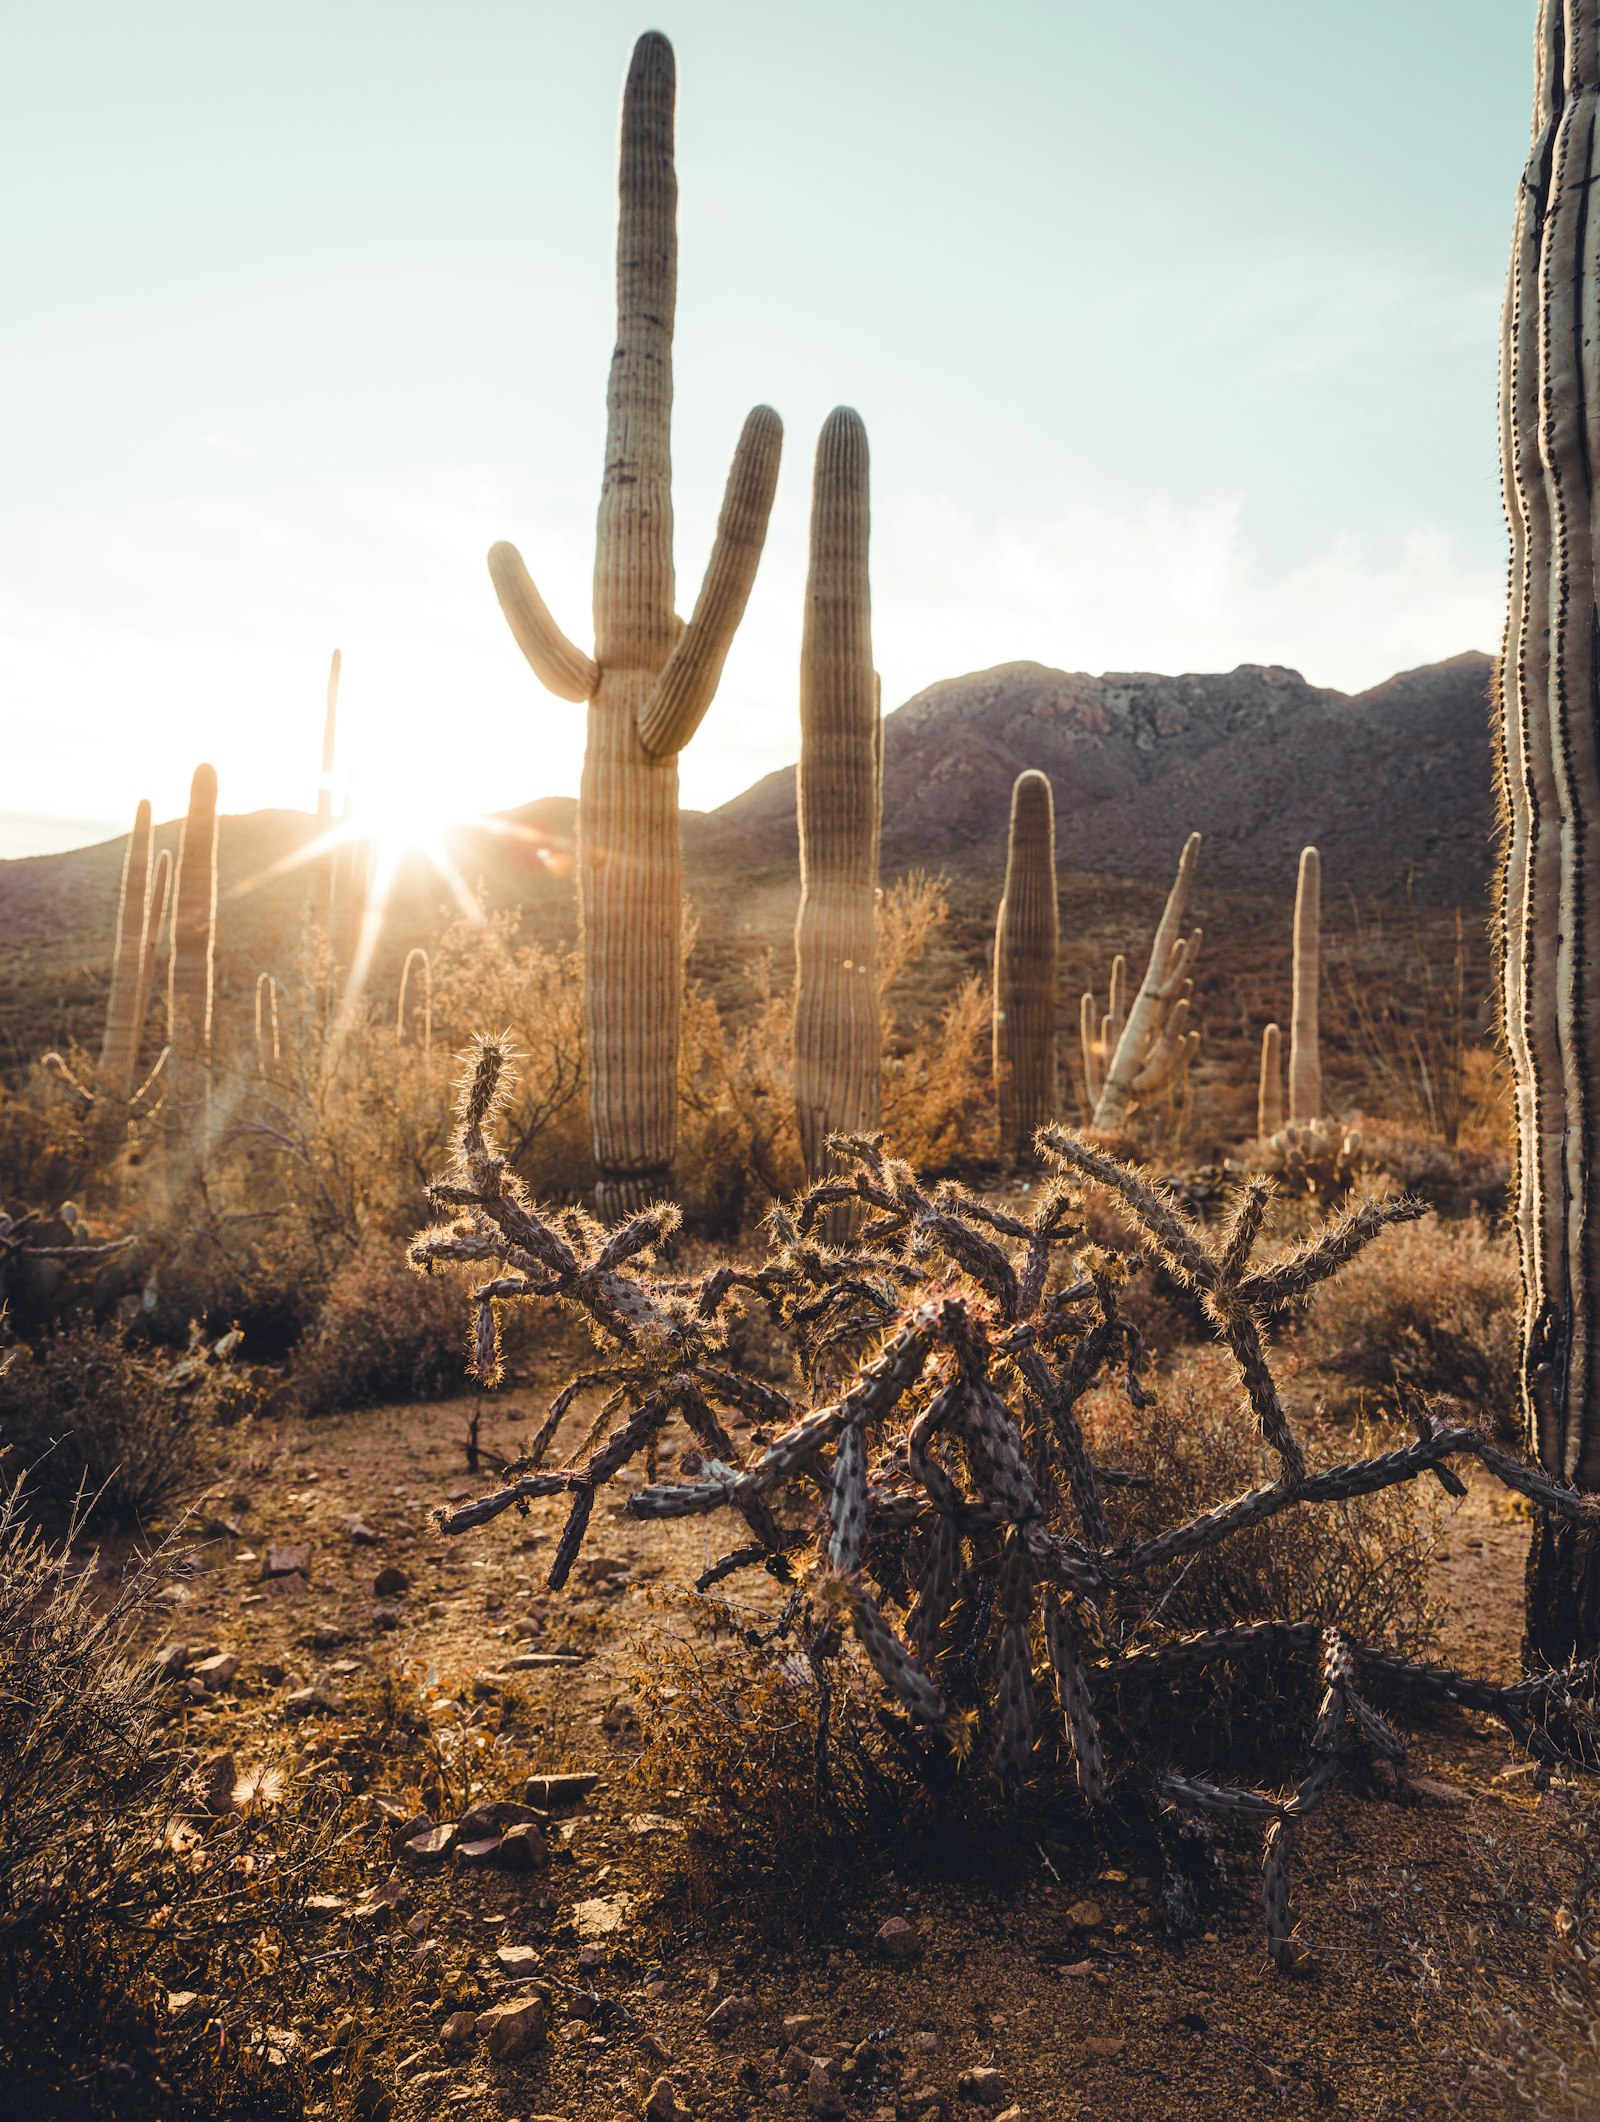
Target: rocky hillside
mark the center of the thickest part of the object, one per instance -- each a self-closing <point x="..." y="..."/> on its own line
<point x="1391" y="783"/>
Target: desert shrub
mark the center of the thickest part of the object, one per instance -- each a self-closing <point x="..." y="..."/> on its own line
<point x="83" y="1413"/>
<point x="1455" y="1179"/>
<point x="380" y="1335"/>
<point x="1430" y="1312"/>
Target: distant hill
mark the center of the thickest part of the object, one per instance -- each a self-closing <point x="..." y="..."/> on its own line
<point x="1389" y="783"/>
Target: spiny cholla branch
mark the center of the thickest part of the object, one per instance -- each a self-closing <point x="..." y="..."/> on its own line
<point x="933" y="1485"/>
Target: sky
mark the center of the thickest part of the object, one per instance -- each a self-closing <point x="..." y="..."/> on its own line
<point x="1173" y="327"/>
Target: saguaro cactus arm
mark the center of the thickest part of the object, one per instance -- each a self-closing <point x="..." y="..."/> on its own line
<point x="559" y="667"/>
<point x="1171" y="955"/>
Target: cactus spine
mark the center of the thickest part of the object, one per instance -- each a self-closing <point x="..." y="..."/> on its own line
<point x="651" y="678"/>
<point x="130" y="982"/>
<point x="1025" y="945"/>
<point x="838" y="1039"/>
<point x="1305" y="1060"/>
<point x="1155" y="1042"/>
<point x="1549" y="775"/>
<point x="1269" y="1094"/>
<point x="193" y="949"/>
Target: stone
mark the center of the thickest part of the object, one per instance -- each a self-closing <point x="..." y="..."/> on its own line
<point x="386" y="1618"/>
<point x="1433" y="1790"/>
<point x="601" y="1916"/>
<point x="391" y="1583"/>
<point x="569" y="1789"/>
<point x="518" y="1961"/>
<point x="796" y="2024"/>
<point x="287" y="1559"/>
<point x="1086" y="1915"/>
<point x="168" y="1662"/>
<point x="212" y="1784"/>
<point x="473" y="1856"/>
<point x="732" y="2012"/>
<point x="306" y="1702"/>
<point x="493" y="1817"/>
<point x="662" y="2103"/>
<point x="458" y="2030"/>
<point x="215" y="1674"/>
<point x="515" y="2027"/>
<point x="360" y="1532"/>
<point x="1104" y="2047"/>
<point x="983" y="2084"/>
<point x="538" y="1661"/>
<point x="1014" y="2113"/>
<point x="794" y="2065"/>
<point x="925" y="2042"/>
<point x="823" y="2095"/>
<point x="523" y="1847"/>
<point x="591" y="1958"/>
<point x="433" y="1845"/>
<point x="897" y="1940"/>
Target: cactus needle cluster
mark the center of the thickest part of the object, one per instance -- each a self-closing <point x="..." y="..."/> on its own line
<point x="932" y="1485"/>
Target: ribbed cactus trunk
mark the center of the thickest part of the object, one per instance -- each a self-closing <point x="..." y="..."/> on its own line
<point x="119" y="1048"/>
<point x="1155" y="1039"/>
<point x="651" y="678"/>
<point x="1305" y="1053"/>
<point x="1269" y="1090"/>
<point x="193" y="950"/>
<point x="838" y="1039"/>
<point x="1026" y="942"/>
<point x="1548" y="921"/>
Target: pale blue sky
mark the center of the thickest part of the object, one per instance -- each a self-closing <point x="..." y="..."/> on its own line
<point x="1173" y="328"/>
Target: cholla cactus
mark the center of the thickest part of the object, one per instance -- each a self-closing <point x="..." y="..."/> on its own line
<point x="1269" y="1091"/>
<point x="1026" y="939"/>
<point x="1154" y="1045"/>
<point x="932" y="1486"/>
<point x="838" y="1036"/>
<point x="651" y="677"/>
<point x="1305" y="1058"/>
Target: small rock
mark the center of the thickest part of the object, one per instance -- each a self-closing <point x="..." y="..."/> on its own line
<point x="1104" y="2046"/>
<point x="662" y="2105"/>
<point x="386" y="1618"/>
<point x="518" y="1961"/>
<point x="1013" y="2114"/>
<point x="180" y="2002"/>
<point x="983" y="2084"/>
<point x="523" y="1848"/>
<point x="168" y="1662"/>
<point x="567" y="1789"/>
<point x="601" y="1916"/>
<point x="433" y="1845"/>
<point x="306" y="1702"/>
<point x="457" y="2031"/>
<point x="360" y="1532"/>
<point x="897" y="1940"/>
<point x="212" y="1784"/>
<point x="325" y="1636"/>
<point x="925" y="2042"/>
<point x="538" y="1661"/>
<point x="472" y="1856"/>
<point x="214" y="1674"/>
<point x="794" y="2066"/>
<point x="730" y="2013"/>
<point x="515" y="2027"/>
<point x="288" y="1586"/>
<point x="1433" y="1790"/>
<point x="290" y="1559"/>
<point x="391" y="1583"/>
<point x="493" y="1818"/>
<point x="1086" y="1915"/>
<point x="591" y="1958"/>
<point x="796" y="2024"/>
<point x="823" y="2096"/>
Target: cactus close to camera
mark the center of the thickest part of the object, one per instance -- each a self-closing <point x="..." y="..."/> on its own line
<point x="1026" y="939"/>
<point x="1155" y="1044"/>
<point x="1305" y="1057"/>
<point x="838" y="1038"/>
<point x="192" y="950"/>
<point x="1269" y="1091"/>
<point x="139" y="914"/>
<point x="651" y="677"/>
<point x="1548" y="913"/>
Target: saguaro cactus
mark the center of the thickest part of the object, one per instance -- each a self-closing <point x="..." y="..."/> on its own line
<point x="193" y="949"/>
<point x="838" y="1039"/>
<point x="139" y="912"/>
<point x="1025" y="944"/>
<point x="1098" y="1035"/>
<point x="1548" y="919"/>
<point x="1305" y="1059"/>
<point x="330" y="735"/>
<point x="1156" y="1039"/>
<point x="1269" y="1091"/>
<point x="651" y="678"/>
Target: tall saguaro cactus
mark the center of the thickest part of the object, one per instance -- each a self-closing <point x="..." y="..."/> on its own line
<point x="838" y="1038"/>
<point x="1026" y="940"/>
<point x="651" y="678"/>
<point x="1548" y="913"/>
<point x="1305" y="1056"/>
<point x="139" y="912"/>
<point x="1155" y="1039"/>
<point x="193" y="950"/>
<point x="1269" y="1088"/>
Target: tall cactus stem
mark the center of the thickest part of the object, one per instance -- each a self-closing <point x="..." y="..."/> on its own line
<point x="1026" y="942"/>
<point x="1305" y="1056"/>
<point x="267" y="1047"/>
<point x="191" y="963"/>
<point x="119" y="1048"/>
<point x="419" y="958"/>
<point x="330" y="732"/>
<point x="1269" y="1092"/>
<point x="838" y="1040"/>
<point x="1140" y="1039"/>
<point x="651" y="678"/>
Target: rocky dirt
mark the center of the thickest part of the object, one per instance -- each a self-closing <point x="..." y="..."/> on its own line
<point x="587" y="1966"/>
